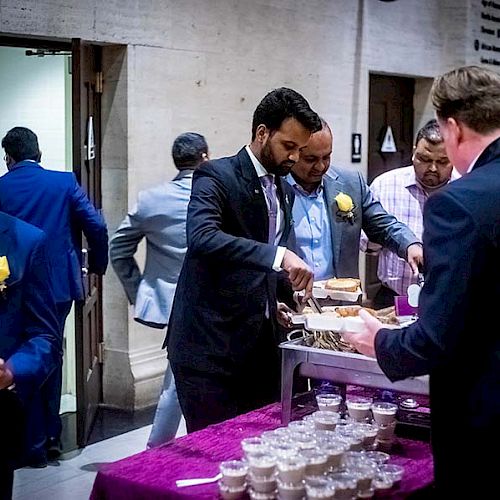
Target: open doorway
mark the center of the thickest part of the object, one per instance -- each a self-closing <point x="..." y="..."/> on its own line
<point x="54" y="88"/>
<point x="36" y="92"/>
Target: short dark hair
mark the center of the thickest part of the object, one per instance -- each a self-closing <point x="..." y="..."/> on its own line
<point x="188" y="149"/>
<point x="283" y="103"/>
<point x="430" y="132"/>
<point x="471" y="95"/>
<point x="21" y="143"/>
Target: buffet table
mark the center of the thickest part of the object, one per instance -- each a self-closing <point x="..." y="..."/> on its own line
<point x="151" y="475"/>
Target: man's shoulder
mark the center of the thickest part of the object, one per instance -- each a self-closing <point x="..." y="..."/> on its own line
<point x="402" y="174"/>
<point x="20" y="229"/>
<point x="342" y="173"/>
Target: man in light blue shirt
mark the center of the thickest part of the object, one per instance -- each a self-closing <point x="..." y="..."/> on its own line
<point x="327" y="236"/>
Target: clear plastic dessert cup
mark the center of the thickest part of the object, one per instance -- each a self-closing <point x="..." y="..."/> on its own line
<point x="359" y="408"/>
<point x="384" y="413"/>
<point x="325" y="420"/>
<point x="329" y="402"/>
<point x="394" y="471"/>
<point x="262" y="464"/>
<point x="318" y="488"/>
<point x="233" y="472"/>
<point x="231" y="492"/>
<point x="291" y="469"/>
<point x="262" y="484"/>
<point x="291" y="491"/>
<point x="317" y="462"/>
<point x="253" y="445"/>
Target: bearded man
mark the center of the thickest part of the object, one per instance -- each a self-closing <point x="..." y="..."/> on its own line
<point x="223" y="333"/>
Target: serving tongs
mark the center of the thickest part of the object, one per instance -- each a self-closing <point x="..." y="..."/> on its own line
<point x="313" y="303"/>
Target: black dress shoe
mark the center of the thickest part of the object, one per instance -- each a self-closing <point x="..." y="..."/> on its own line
<point x="37" y="461"/>
<point x="54" y="448"/>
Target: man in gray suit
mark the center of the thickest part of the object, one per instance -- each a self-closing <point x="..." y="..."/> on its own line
<point x="160" y="217"/>
<point x="331" y="207"/>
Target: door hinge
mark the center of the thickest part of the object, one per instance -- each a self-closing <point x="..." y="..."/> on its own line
<point x="98" y="82"/>
<point x="100" y="352"/>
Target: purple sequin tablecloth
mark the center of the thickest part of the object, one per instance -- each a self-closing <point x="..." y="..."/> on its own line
<point x="151" y="474"/>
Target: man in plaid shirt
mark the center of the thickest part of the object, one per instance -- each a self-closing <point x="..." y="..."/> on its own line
<point x="403" y="192"/>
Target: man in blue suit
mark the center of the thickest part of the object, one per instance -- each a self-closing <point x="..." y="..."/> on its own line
<point x="29" y="341"/>
<point x="54" y="202"/>
<point x="462" y="290"/>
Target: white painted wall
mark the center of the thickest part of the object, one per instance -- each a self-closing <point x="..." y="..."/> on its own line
<point x="32" y="94"/>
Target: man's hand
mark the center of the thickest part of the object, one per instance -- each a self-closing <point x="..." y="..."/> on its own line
<point x="299" y="274"/>
<point x="365" y="342"/>
<point x="415" y="257"/>
<point x="6" y="376"/>
<point x="283" y="315"/>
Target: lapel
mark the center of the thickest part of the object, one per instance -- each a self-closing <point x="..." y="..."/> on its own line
<point x="286" y="201"/>
<point x="253" y="197"/>
<point x="333" y="185"/>
<point x="5" y="247"/>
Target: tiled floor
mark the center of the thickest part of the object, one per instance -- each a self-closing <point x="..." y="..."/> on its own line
<point x="72" y="477"/>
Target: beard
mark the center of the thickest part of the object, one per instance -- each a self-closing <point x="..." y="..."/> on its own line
<point x="271" y="165"/>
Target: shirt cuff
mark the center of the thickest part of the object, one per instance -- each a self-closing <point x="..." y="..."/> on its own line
<point x="278" y="259"/>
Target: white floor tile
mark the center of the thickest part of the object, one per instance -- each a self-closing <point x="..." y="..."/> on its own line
<point x="74" y="475"/>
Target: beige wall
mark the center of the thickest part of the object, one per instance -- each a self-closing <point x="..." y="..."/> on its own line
<point x="203" y="65"/>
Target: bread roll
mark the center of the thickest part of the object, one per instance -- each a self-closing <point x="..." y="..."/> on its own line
<point x="343" y="284"/>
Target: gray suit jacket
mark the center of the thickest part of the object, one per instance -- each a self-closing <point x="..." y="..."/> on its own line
<point x="160" y="217"/>
<point x="369" y="215"/>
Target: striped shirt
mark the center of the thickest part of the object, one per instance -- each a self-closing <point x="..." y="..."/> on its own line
<point x="401" y="196"/>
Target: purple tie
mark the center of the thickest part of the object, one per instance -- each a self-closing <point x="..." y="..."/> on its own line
<point x="272" y="205"/>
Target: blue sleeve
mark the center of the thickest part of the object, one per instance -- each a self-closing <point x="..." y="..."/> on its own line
<point x="91" y="222"/>
<point x="38" y="354"/>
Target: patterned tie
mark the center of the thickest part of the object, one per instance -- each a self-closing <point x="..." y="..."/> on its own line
<point x="272" y="205"/>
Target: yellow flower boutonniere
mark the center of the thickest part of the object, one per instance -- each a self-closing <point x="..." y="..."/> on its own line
<point x="4" y="273"/>
<point x="346" y="207"/>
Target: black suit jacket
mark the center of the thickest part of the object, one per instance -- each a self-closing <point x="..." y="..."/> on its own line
<point x="227" y="276"/>
<point x="462" y="289"/>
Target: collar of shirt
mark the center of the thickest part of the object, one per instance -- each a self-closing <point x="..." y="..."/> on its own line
<point x="471" y="166"/>
<point x="261" y="171"/>
<point x="301" y="191"/>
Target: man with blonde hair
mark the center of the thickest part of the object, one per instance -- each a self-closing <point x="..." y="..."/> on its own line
<point x="462" y="287"/>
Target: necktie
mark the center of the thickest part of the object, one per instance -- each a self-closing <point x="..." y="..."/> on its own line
<point x="272" y="205"/>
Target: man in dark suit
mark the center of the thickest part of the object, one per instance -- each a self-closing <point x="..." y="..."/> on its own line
<point x="462" y="290"/>
<point x="222" y="337"/>
<point x="54" y="202"/>
<point x="29" y="345"/>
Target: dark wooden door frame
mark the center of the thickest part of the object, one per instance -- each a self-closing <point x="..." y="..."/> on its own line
<point x="87" y="59"/>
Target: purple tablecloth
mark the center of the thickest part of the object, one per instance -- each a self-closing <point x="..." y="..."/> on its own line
<point x="152" y="474"/>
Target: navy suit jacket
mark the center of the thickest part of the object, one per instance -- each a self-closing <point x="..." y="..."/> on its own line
<point x="28" y="322"/>
<point x="461" y="292"/>
<point x="227" y="277"/>
<point x="54" y="202"/>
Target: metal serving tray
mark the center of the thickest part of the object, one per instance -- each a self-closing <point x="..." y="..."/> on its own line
<point x="339" y="367"/>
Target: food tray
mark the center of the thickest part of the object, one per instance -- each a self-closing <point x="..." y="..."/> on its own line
<point x="330" y="322"/>
<point x="339" y="367"/>
<point x="320" y="292"/>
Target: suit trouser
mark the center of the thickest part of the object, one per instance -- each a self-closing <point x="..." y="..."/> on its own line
<point x="209" y="398"/>
<point x="6" y="481"/>
<point x="51" y="389"/>
<point x="168" y="413"/>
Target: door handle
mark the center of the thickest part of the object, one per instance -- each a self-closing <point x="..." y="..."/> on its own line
<point x="85" y="262"/>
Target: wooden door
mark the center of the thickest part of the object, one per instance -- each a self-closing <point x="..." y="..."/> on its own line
<point x="87" y="89"/>
<point x="390" y="105"/>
